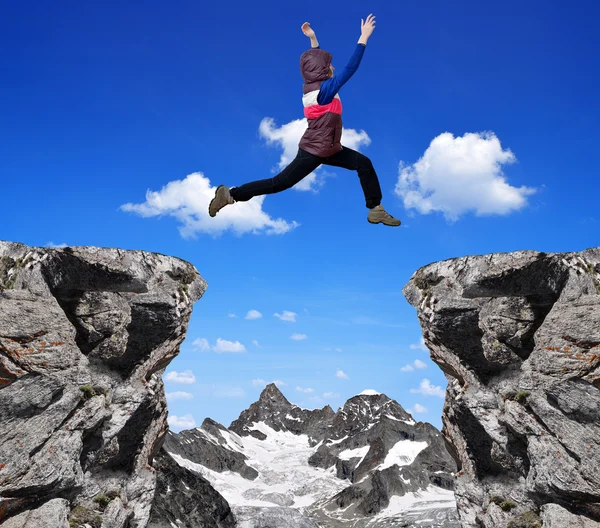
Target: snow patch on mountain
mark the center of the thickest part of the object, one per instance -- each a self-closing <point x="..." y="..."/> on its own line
<point x="369" y="392"/>
<point x="409" y="422"/>
<point x="285" y="478"/>
<point x="403" y="453"/>
<point x="347" y="454"/>
<point x="417" y="501"/>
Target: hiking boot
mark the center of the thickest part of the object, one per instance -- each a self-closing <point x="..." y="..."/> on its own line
<point x="378" y="215"/>
<point x="221" y="199"/>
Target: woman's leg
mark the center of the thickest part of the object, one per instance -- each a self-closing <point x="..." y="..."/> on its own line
<point x="354" y="160"/>
<point x="300" y="167"/>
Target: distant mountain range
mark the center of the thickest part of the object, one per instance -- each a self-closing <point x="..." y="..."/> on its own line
<point x="367" y="465"/>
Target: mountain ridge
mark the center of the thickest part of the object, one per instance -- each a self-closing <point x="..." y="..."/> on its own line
<point x="365" y="456"/>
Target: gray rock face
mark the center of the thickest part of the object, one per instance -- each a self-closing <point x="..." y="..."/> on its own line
<point x="85" y="334"/>
<point x="195" y="445"/>
<point x="185" y="499"/>
<point x="518" y="337"/>
<point x="371" y="420"/>
<point x="378" y="423"/>
<point x="554" y="516"/>
<point x="52" y="513"/>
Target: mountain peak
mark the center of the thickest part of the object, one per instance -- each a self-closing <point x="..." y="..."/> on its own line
<point x="272" y="395"/>
<point x="369" y="407"/>
<point x="271" y="408"/>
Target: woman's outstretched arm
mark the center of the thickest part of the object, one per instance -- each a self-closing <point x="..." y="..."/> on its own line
<point x="331" y="87"/>
<point x="309" y="32"/>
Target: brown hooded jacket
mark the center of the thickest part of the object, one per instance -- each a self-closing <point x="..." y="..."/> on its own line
<point x="324" y="132"/>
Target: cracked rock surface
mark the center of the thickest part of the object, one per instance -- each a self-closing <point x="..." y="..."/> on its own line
<point x="518" y="338"/>
<point x="85" y="334"/>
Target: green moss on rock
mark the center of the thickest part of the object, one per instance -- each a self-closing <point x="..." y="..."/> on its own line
<point x="508" y="505"/>
<point x="528" y="519"/>
<point x="88" y="391"/>
<point x="81" y="516"/>
<point x="102" y="500"/>
<point x="521" y="396"/>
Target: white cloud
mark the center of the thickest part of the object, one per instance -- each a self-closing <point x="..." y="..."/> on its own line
<point x="201" y="344"/>
<point x="187" y="377"/>
<point x="331" y="395"/>
<point x="331" y="349"/>
<point x="353" y="139"/>
<point x="419" y="364"/>
<point x="178" y="395"/>
<point x="53" y="245"/>
<point x="420" y="346"/>
<point x="341" y="374"/>
<point x="232" y="315"/>
<point x="298" y="337"/>
<point x="223" y="346"/>
<point x="462" y="174"/>
<point x="288" y="136"/>
<point x="187" y="201"/>
<point x="417" y="409"/>
<point x="286" y="316"/>
<point x="182" y="422"/>
<point x="263" y="383"/>
<point x="428" y="389"/>
<point x="307" y="390"/>
<point x="253" y="314"/>
<point x="255" y="343"/>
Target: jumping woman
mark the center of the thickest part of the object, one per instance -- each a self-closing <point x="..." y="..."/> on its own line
<point x="320" y="144"/>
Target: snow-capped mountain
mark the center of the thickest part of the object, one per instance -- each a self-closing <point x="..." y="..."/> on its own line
<point x="274" y="410"/>
<point x="367" y="465"/>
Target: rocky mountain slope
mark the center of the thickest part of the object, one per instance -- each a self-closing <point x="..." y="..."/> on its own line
<point x="518" y="337"/>
<point x="185" y="499"/>
<point x="369" y="464"/>
<point x="85" y="334"/>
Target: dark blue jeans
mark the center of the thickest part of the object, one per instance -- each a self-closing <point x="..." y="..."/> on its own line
<point x="303" y="164"/>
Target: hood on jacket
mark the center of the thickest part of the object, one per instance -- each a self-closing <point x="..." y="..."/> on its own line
<point x="314" y="65"/>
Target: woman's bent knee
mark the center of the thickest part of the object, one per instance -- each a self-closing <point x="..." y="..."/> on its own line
<point x="364" y="162"/>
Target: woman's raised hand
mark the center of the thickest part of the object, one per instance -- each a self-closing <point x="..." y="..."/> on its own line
<point x="366" y="28"/>
<point x="307" y="30"/>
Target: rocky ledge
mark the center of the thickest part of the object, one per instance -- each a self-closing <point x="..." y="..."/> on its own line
<point x="518" y="338"/>
<point x="85" y="334"/>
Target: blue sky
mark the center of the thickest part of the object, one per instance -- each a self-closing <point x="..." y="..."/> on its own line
<point x="480" y="119"/>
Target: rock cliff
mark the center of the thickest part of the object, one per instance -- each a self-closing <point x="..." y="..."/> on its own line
<point x="85" y="334"/>
<point x="518" y="338"/>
